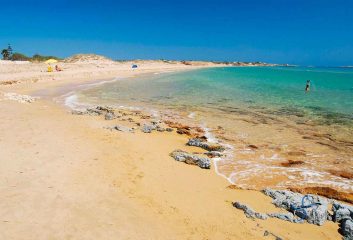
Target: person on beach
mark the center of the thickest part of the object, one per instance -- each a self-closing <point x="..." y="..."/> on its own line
<point x="307" y="87"/>
<point x="57" y="68"/>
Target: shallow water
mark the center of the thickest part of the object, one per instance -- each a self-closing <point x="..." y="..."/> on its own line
<point x="263" y="113"/>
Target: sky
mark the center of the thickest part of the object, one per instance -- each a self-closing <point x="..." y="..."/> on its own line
<point x="278" y="31"/>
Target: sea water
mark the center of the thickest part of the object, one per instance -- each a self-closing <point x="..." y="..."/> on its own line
<point x="264" y="113"/>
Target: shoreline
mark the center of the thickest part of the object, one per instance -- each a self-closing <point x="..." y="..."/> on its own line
<point x="88" y="182"/>
<point x="182" y="118"/>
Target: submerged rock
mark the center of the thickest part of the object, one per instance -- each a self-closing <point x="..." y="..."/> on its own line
<point x="193" y="159"/>
<point x="205" y="145"/>
<point x="213" y="154"/>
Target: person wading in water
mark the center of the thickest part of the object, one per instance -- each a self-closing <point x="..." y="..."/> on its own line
<point x="307" y="87"/>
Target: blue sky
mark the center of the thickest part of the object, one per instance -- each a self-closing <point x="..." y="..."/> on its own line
<point x="297" y="32"/>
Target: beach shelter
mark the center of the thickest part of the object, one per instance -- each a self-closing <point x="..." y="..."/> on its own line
<point x="51" y="61"/>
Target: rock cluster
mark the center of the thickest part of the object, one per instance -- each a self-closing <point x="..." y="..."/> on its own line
<point x="96" y="111"/>
<point x="197" y="142"/>
<point x="19" y="98"/>
<point x="121" y="128"/>
<point x="343" y="214"/>
<point x="310" y="208"/>
<point x="193" y="159"/>
<point x="185" y="129"/>
<point x="147" y="128"/>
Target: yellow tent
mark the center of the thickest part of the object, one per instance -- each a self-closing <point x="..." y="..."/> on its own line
<point x="51" y="61"/>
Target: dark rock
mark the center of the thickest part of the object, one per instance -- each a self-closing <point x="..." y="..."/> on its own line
<point x="98" y="110"/>
<point x="252" y="146"/>
<point x="249" y="212"/>
<point x="183" y="131"/>
<point x="267" y="233"/>
<point x="341" y="211"/>
<point x="109" y="116"/>
<point x="193" y="159"/>
<point x="147" y="128"/>
<point x="317" y="212"/>
<point x="207" y="146"/>
<point x="169" y="129"/>
<point x="346" y="229"/>
<point x="155" y="122"/>
<point x="160" y="129"/>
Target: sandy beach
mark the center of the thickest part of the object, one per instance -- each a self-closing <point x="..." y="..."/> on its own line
<point x="66" y="176"/>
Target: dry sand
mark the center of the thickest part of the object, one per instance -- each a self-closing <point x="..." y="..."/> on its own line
<point x="64" y="176"/>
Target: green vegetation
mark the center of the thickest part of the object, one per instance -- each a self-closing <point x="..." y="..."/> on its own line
<point x="40" y="58"/>
<point x="20" y="57"/>
<point x="8" y="55"/>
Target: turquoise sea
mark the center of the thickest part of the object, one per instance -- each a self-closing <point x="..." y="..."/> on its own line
<point x="266" y="106"/>
<point x="276" y="88"/>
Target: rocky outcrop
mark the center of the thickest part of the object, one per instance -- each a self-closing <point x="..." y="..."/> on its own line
<point x="309" y="207"/>
<point x="346" y="229"/>
<point x="193" y="159"/>
<point x="341" y="211"/>
<point x="250" y="213"/>
<point x="343" y="214"/>
<point x="94" y="111"/>
<point x="197" y="142"/>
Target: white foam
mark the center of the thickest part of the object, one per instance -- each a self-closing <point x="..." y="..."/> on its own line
<point x="71" y="100"/>
<point x="100" y="82"/>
